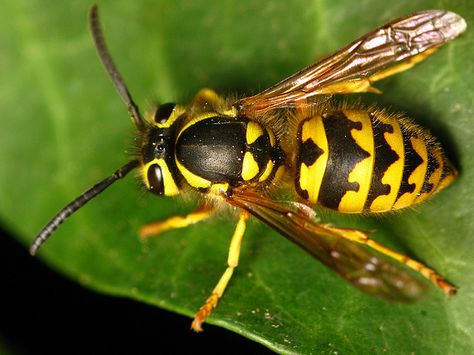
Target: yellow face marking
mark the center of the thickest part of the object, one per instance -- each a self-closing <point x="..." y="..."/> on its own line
<point x="353" y="201"/>
<point x="312" y="176"/>
<point x="254" y="131"/>
<point x="193" y="179"/>
<point x="249" y="167"/>
<point x="268" y="170"/>
<point x="171" y="189"/>
<point x="417" y="177"/>
<point x="394" y="173"/>
<point x="178" y="111"/>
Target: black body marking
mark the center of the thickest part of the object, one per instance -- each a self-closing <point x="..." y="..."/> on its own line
<point x="412" y="161"/>
<point x="213" y="149"/>
<point x="344" y="155"/>
<point x="384" y="157"/>
<point x="433" y="165"/>
<point x="309" y="153"/>
<point x="261" y="151"/>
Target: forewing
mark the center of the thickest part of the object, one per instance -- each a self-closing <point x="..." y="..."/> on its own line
<point x="361" y="266"/>
<point x="389" y="49"/>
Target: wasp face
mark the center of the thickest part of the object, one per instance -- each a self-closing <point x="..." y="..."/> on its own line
<point x="159" y="169"/>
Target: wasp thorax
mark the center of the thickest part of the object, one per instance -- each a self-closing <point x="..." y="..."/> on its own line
<point x="226" y="151"/>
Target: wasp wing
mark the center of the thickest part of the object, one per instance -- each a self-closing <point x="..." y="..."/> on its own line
<point x="389" y="49"/>
<point x="358" y="264"/>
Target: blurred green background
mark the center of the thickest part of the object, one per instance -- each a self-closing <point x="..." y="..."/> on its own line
<point x="64" y="128"/>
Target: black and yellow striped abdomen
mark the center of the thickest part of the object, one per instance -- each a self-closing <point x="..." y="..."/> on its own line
<point x="355" y="160"/>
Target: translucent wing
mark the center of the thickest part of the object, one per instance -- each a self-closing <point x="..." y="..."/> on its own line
<point x="390" y="49"/>
<point x="362" y="267"/>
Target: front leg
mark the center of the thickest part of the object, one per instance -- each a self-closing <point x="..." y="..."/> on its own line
<point x="200" y="214"/>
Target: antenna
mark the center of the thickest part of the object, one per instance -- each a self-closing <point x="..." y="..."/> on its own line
<point x="112" y="71"/>
<point x="77" y="203"/>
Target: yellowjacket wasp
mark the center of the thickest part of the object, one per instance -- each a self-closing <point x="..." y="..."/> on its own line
<point x="240" y="153"/>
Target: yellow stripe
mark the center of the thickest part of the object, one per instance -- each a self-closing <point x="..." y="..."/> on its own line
<point x="312" y="176"/>
<point x="417" y="177"/>
<point x="193" y="179"/>
<point x="394" y="173"/>
<point x="353" y="201"/>
<point x="249" y="167"/>
<point x="254" y="130"/>
<point x="266" y="173"/>
<point x="195" y="120"/>
<point x="272" y="137"/>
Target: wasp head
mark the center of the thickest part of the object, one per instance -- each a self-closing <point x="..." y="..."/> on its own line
<point x="159" y="170"/>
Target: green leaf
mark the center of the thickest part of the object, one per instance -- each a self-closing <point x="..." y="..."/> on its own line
<point x="64" y="128"/>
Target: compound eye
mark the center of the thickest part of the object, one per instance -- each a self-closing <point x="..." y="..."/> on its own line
<point x="155" y="180"/>
<point x="163" y="113"/>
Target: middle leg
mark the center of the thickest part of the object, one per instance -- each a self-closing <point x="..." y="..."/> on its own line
<point x="232" y="262"/>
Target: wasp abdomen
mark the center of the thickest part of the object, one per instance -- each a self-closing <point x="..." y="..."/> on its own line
<point x="359" y="161"/>
<point x="220" y="149"/>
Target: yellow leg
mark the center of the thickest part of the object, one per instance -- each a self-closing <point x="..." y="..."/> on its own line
<point x="232" y="262"/>
<point x="207" y="96"/>
<point x="208" y="100"/>
<point x="156" y="228"/>
<point x="430" y="274"/>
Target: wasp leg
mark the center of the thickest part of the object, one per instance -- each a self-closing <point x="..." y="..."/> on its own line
<point x="361" y="237"/>
<point x="200" y="214"/>
<point x="232" y="262"/>
<point x="208" y="100"/>
<point x="207" y="96"/>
